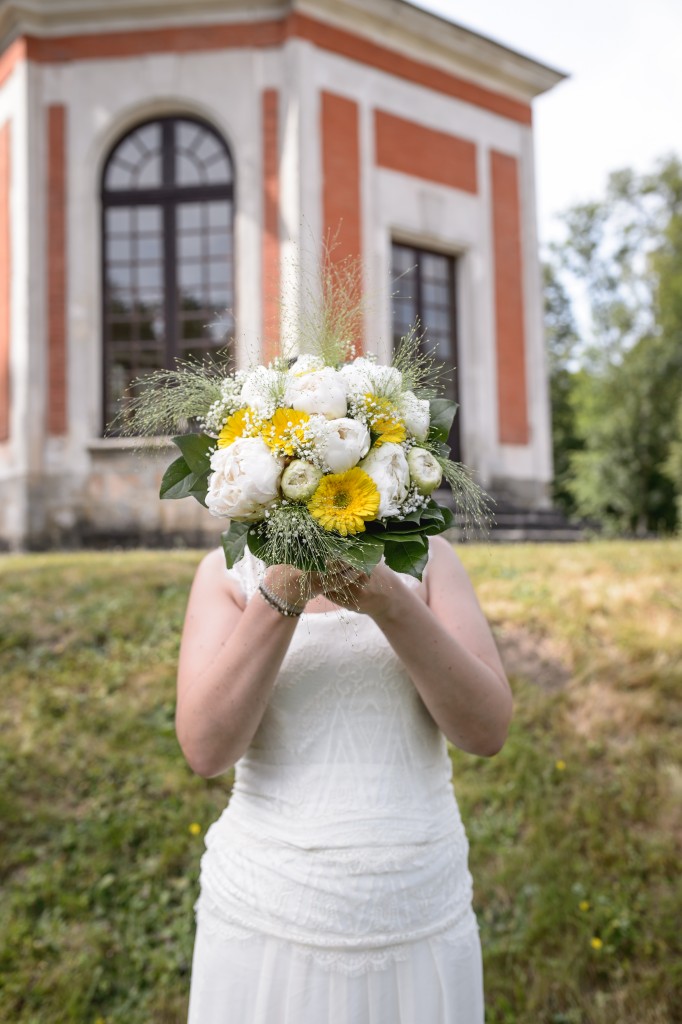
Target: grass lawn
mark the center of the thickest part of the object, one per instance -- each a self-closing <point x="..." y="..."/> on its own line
<point x="575" y="827"/>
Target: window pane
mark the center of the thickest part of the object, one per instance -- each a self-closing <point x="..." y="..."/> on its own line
<point x="218" y="273"/>
<point x="148" y="138"/>
<point x="148" y="218"/>
<point x="149" y="278"/>
<point x="188" y="134"/>
<point x="208" y="147"/>
<point x="189" y="245"/>
<point x="148" y="247"/>
<point x="187" y="171"/>
<point x="119" y="219"/>
<point x="119" y="177"/>
<point x="189" y="215"/>
<point x="120" y="279"/>
<point x="219" y="244"/>
<point x="219" y="214"/>
<point x="189" y="275"/>
<point x="218" y="171"/>
<point x="149" y="173"/>
<point x="119" y="249"/>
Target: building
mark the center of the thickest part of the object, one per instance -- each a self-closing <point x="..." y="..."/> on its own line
<point x="167" y="166"/>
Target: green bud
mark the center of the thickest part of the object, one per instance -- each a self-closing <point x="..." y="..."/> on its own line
<point x="425" y="471"/>
<point x="300" y="480"/>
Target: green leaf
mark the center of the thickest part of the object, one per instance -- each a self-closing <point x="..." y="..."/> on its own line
<point x="178" y="480"/>
<point x="409" y="556"/>
<point x="442" y="414"/>
<point x="200" y="488"/>
<point x="234" y="542"/>
<point x="195" y="450"/>
<point x="256" y="544"/>
<point x="448" y="517"/>
<point x="364" y="552"/>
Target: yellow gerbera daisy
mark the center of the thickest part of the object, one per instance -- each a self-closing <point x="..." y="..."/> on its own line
<point x="384" y="421"/>
<point x="285" y="431"/>
<point x="343" y="502"/>
<point x="242" y="423"/>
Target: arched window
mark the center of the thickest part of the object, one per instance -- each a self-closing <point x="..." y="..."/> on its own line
<point x="168" y="250"/>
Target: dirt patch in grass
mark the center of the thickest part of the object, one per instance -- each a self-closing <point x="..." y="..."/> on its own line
<point x="600" y="708"/>
<point x="539" y="659"/>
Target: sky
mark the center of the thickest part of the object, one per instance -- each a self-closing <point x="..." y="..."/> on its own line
<point x="620" y="107"/>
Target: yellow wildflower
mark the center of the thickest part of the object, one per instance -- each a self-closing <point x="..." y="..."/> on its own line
<point x="242" y="423"/>
<point x="384" y="421"/>
<point x="584" y="905"/>
<point x="560" y="766"/>
<point x="345" y="501"/>
<point x="596" y="942"/>
<point x="284" y="432"/>
<point x="195" y="828"/>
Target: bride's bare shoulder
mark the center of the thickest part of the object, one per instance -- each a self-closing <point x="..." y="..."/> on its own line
<point x="211" y="577"/>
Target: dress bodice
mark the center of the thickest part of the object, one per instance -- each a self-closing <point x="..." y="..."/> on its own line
<point x="342" y="822"/>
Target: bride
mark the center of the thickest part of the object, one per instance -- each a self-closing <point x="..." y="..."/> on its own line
<point x="334" y="887"/>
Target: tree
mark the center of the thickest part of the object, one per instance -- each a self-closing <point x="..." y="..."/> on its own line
<point x="622" y="257"/>
<point x="562" y="340"/>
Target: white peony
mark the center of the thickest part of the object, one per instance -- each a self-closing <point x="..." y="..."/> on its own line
<point x="244" y="481"/>
<point x="261" y="389"/>
<point x="364" y="377"/>
<point x="306" y="363"/>
<point x="388" y="468"/>
<point x="425" y="470"/>
<point x="321" y="391"/>
<point x="343" y="443"/>
<point x="416" y="414"/>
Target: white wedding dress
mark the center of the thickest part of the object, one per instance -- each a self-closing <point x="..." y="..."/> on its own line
<point x="334" y="888"/>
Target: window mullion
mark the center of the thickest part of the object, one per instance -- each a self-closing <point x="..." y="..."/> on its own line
<point x="169" y="247"/>
<point x="170" y="284"/>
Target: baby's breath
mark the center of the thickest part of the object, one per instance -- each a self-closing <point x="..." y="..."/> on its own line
<point x="227" y="404"/>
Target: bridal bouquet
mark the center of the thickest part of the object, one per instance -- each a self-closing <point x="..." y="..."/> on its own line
<point x="314" y="460"/>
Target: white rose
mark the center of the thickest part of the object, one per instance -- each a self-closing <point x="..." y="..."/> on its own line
<point x="343" y="443"/>
<point x="300" y="480"/>
<point x="322" y="391"/>
<point x="261" y="389"/>
<point x="388" y="468"/>
<point x="416" y="414"/>
<point x="244" y="481"/>
<point x="425" y="470"/>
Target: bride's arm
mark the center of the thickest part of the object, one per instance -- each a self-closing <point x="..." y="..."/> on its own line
<point x="230" y="655"/>
<point x="447" y="647"/>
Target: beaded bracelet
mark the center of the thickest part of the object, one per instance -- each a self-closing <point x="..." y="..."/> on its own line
<point x="278" y="604"/>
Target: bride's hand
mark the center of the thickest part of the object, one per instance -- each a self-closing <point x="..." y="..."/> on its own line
<point x="293" y="586"/>
<point x="359" y="591"/>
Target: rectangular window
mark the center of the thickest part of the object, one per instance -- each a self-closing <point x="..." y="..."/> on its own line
<point x="424" y="289"/>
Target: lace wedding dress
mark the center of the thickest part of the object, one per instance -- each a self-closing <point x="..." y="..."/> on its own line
<point x="334" y="888"/>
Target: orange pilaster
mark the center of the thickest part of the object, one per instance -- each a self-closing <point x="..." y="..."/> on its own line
<point x="5" y="280"/>
<point x="271" y="249"/>
<point x="512" y="396"/>
<point x="56" y="271"/>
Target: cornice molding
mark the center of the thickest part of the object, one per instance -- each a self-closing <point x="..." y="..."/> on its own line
<point x="397" y="24"/>
<point x="441" y="42"/>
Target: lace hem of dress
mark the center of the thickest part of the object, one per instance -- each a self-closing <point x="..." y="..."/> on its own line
<point x="461" y="937"/>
